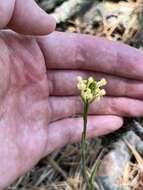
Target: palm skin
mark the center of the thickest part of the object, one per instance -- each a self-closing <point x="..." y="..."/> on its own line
<point x="24" y="105"/>
<point x="25" y="110"/>
<point x="37" y="99"/>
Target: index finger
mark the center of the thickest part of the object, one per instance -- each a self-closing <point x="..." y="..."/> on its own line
<point x="85" y="52"/>
<point x="25" y="17"/>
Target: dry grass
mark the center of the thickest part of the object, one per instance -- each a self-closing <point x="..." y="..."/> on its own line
<point x="133" y="173"/>
<point x="61" y="170"/>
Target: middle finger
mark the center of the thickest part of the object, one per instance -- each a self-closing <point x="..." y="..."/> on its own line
<point x="64" y="83"/>
<point x="67" y="106"/>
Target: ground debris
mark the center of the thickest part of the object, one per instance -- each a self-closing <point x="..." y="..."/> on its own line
<point x="117" y="170"/>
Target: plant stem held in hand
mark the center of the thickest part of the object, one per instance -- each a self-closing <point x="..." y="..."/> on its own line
<point x="90" y="90"/>
<point x="84" y="139"/>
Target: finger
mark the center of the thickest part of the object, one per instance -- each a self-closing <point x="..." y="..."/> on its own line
<point x="27" y="17"/>
<point x="70" y="130"/>
<point x="62" y="107"/>
<point x="84" y="52"/>
<point x="64" y="83"/>
<point x="6" y="11"/>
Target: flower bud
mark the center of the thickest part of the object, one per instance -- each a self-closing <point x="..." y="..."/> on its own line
<point x="90" y="88"/>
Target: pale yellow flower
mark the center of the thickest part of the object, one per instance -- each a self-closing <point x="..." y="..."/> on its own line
<point x="90" y="80"/>
<point x="91" y="89"/>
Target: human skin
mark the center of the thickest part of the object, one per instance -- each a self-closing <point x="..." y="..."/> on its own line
<point x="38" y="93"/>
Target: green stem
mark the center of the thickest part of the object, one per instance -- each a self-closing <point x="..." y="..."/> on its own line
<point x="84" y="142"/>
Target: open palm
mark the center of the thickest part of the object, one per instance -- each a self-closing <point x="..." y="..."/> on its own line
<point x="38" y="95"/>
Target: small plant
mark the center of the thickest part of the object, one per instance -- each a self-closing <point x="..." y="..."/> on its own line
<point x="90" y="90"/>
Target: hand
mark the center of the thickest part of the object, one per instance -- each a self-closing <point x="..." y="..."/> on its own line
<point x="38" y="92"/>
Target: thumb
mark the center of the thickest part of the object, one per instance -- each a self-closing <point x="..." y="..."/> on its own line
<point x="26" y="17"/>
